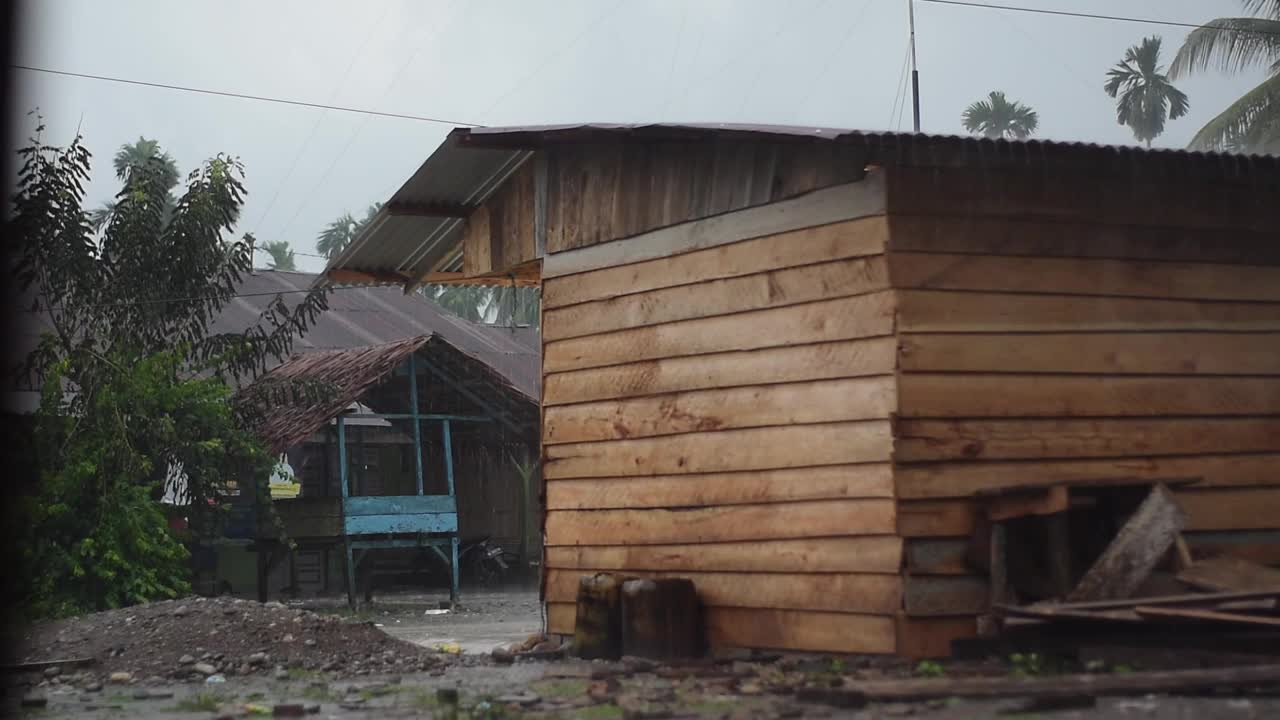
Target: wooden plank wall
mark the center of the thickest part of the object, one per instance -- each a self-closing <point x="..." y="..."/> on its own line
<point x="1060" y="329"/>
<point x="720" y="412"/>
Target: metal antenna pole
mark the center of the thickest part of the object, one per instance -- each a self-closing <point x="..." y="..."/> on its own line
<point x="915" y="73"/>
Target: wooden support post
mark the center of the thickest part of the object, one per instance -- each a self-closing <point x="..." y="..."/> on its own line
<point x="417" y="421"/>
<point x="346" y="539"/>
<point x="1058" y="545"/>
<point x="453" y="567"/>
<point x="351" y="573"/>
<point x="448" y="455"/>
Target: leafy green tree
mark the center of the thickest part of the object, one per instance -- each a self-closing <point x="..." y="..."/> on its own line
<point x="136" y="156"/>
<point x="501" y="305"/>
<point x="282" y="257"/>
<point x="338" y="234"/>
<point x="997" y="117"/>
<point x="1251" y="123"/>
<point x="135" y="402"/>
<point x="1146" y="97"/>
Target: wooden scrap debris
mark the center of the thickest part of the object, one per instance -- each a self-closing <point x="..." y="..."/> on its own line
<point x="1213" y="616"/>
<point x="1226" y="573"/>
<point x="1136" y="550"/>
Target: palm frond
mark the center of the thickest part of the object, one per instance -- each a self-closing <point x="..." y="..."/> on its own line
<point x="1249" y="124"/>
<point x="1229" y="45"/>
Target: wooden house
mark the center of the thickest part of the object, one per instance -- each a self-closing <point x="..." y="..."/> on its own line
<point x="798" y="366"/>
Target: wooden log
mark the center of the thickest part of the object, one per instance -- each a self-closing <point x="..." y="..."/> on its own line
<point x="1081" y="276"/>
<point x="1146" y="353"/>
<point x="775" y="288"/>
<point x="1090" y="238"/>
<point x="828" y="360"/>
<point x="864" y="554"/>
<point x="945" y="311"/>
<point x="1226" y="573"/>
<point x="1143" y="540"/>
<point x="927" y="440"/>
<point x="860" y="316"/>
<point x="1126" y="684"/>
<point x="879" y="594"/>
<point x="853" y="238"/>
<point x="723" y="451"/>
<point x="821" y="401"/>
<point x="962" y="479"/>
<point x="1217" y="617"/>
<point x="777" y="521"/>
<point x="597" y="631"/>
<point x="867" y="480"/>
<point x="990" y="395"/>
<point x="1051" y="500"/>
<point x="820" y="207"/>
<point x="661" y="619"/>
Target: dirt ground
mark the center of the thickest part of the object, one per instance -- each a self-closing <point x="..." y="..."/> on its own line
<point x="384" y="662"/>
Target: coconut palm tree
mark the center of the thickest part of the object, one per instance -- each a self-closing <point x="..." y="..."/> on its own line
<point x="1251" y="123"/>
<point x="282" y="257"/>
<point x="997" y="117"/>
<point x="339" y="233"/>
<point x="1146" y="97"/>
<point x="129" y="158"/>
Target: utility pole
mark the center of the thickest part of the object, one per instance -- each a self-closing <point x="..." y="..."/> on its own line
<point x="915" y="73"/>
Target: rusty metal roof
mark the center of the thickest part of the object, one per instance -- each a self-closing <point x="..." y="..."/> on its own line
<point x="473" y="162"/>
<point x="348" y="373"/>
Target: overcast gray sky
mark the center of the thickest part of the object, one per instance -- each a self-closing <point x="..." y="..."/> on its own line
<point x="502" y="62"/>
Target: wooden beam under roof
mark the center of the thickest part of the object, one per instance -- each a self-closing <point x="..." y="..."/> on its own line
<point x="438" y="210"/>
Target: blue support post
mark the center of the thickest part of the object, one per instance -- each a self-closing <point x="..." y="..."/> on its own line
<point x="453" y="566"/>
<point x="417" y="422"/>
<point x="448" y="455"/>
<point x="346" y="539"/>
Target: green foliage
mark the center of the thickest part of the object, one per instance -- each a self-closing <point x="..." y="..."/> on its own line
<point x="1146" y="97"/>
<point x="1026" y="664"/>
<point x="205" y="702"/>
<point x="930" y="669"/>
<point x="997" y="117"/>
<point x="338" y="234"/>
<point x="282" y="256"/>
<point x="501" y="305"/>
<point x="136" y="401"/>
<point x="1251" y="123"/>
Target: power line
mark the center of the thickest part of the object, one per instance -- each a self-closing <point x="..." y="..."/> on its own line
<point x="245" y="96"/>
<point x="295" y="252"/>
<point x="1091" y="16"/>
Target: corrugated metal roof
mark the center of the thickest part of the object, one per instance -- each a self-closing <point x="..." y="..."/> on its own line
<point x="472" y="162"/>
<point x="363" y="316"/>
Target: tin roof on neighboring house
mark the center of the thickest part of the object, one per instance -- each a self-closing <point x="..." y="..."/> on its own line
<point x="349" y="372"/>
<point x="419" y="228"/>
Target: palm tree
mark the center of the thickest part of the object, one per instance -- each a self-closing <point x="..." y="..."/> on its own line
<point x="282" y="257"/>
<point x="130" y="157"/>
<point x="997" y="117"/>
<point x="1251" y="123"/>
<point x="1147" y="98"/>
<point x="339" y="233"/>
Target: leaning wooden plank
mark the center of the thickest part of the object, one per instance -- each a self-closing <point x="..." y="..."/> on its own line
<point x="860" y="316"/>
<point x="1067" y="612"/>
<point x="1227" y="573"/>
<point x="1137" y="683"/>
<point x="928" y="440"/>
<point x="820" y="207"/>
<point x="867" y="554"/>
<point x="1134" y="552"/>
<point x="1079" y="276"/>
<point x="1088" y="239"/>
<point x="1145" y="353"/>
<point x="800" y="630"/>
<point x="844" y="359"/>
<point x="946" y="311"/>
<point x="1217" y="617"/>
<point x="36" y="665"/>
<point x="820" y="518"/>
<point x="758" y="486"/>
<point x="723" y="451"/>
<point x="853" y="238"/>
<point x="819" y="401"/>
<point x="938" y="395"/>
<point x="775" y="288"/>
<point x="832" y="592"/>
<point x="962" y="479"/>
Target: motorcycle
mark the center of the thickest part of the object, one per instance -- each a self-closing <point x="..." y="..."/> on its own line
<point x="485" y="562"/>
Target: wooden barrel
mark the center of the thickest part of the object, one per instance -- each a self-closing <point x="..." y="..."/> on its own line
<point x="597" y="632"/>
<point x="661" y="619"/>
